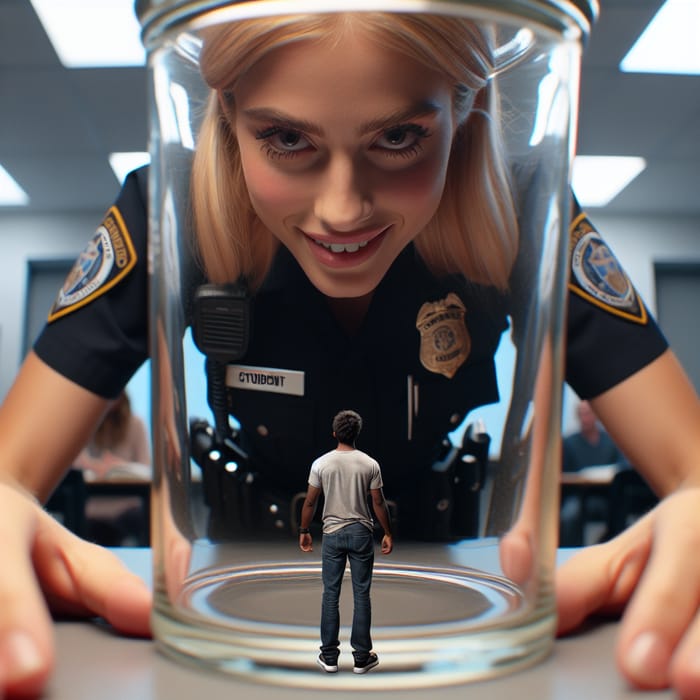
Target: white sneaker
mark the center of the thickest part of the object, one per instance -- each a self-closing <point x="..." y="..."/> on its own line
<point x="370" y="663"/>
<point x="327" y="667"/>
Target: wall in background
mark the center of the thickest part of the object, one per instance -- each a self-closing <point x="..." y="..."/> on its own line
<point x="23" y="239"/>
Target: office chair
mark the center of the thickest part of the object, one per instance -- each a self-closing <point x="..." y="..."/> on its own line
<point x="67" y="502"/>
<point x="630" y="498"/>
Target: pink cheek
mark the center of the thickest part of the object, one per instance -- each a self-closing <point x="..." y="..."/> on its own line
<point x="272" y="192"/>
<point x="416" y="189"/>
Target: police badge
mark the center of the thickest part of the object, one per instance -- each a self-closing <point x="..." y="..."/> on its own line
<point x="444" y="339"/>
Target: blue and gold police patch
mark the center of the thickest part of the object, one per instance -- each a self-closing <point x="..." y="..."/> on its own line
<point x="598" y="277"/>
<point x="107" y="258"/>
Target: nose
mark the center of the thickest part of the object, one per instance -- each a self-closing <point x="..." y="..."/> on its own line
<point x="343" y="201"/>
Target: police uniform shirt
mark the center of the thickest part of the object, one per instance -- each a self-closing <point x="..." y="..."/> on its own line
<point x="98" y="327"/>
<point x="377" y="372"/>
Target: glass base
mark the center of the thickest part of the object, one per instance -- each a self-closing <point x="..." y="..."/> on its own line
<point x="430" y="627"/>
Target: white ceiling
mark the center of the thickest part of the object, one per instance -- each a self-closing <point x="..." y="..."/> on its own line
<point x="57" y="126"/>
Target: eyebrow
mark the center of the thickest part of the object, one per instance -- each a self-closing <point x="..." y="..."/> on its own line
<point x="424" y="108"/>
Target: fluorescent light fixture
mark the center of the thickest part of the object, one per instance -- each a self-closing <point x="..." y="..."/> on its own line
<point x="11" y="194"/>
<point x="92" y="33"/>
<point x="597" y="180"/>
<point x="123" y="163"/>
<point x="670" y="42"/>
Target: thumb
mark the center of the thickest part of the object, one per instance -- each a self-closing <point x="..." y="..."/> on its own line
<point x="600" y="579"/>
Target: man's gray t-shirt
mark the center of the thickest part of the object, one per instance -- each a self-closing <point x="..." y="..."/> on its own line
<point x="345" y="477"/>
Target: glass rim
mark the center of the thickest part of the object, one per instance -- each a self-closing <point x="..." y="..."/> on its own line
<point x="159" y="16"/>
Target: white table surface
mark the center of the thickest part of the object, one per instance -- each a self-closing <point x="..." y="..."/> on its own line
<point x="93" y="662"/>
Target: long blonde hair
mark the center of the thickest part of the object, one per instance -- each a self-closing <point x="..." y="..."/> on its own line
<point x="474" y="231"/>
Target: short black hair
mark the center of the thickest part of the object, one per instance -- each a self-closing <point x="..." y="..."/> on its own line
<point x="346" y="426"/>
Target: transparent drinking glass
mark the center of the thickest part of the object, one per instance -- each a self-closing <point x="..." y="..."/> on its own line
<point x="460" y="388"/>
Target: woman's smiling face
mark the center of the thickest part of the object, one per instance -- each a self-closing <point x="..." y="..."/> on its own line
<point x="344" y="150"/>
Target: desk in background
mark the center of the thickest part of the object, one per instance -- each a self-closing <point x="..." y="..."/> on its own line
<point x="124" y="487"/>
<point x="69" y="502"/>
<point x="625" y="492"/>
<point x="590" y="477"/>
<point x="590" y="489"/>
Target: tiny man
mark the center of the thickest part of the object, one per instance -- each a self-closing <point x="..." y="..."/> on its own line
<point x="345" y="476"/>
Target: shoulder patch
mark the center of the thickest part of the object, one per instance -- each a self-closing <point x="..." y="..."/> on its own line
<point x="107" y="258"/>
<point x="598" y="277"/>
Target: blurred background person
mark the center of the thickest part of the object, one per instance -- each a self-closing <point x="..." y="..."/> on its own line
<point x="589" y="446"/>
<point x="120" y="442"/>
<point x="119" y="450"/>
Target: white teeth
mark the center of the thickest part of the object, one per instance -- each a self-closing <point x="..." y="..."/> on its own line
<point x="343" y="247"/>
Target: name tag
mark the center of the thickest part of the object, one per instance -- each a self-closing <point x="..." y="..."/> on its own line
<point x="277" y="381"/>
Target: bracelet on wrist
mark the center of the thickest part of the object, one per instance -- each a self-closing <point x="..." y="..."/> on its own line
<point x="303" y="530"/>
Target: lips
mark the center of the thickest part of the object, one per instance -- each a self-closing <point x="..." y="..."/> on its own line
<point x="349" y="242"/>
<point x="346" y="250"/>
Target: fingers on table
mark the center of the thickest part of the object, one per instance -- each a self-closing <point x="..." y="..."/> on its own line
<point x="81" y="578"/>
<point x="26" y="636"/>
<point x="659" y="640"/>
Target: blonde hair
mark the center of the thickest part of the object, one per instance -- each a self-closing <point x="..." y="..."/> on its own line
<point x="474" y="231"/>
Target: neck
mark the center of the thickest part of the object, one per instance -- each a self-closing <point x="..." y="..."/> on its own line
<point x="350" y="312"/>
<point x="342" y="447"/>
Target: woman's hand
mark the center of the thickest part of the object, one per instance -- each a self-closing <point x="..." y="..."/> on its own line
<point x="41" y="562"/>
<point x="652" y="570"/>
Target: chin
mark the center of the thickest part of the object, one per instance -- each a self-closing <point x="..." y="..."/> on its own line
<point x="342" y="289"/>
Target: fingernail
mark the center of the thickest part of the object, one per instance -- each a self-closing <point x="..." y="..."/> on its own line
<point x="647" y="659"/>
<point x="21" y="655"/>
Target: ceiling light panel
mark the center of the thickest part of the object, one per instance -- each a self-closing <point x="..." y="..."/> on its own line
<point x="670" y="42"/>
<point x="11" y="194"/>
<point x="597" y="180"/>
<point x="92" y="34"/>
<point x="123" y="163"/>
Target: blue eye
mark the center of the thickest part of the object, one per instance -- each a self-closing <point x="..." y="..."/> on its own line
<point x="402" y="138"/>
<point x="281" y="142"/>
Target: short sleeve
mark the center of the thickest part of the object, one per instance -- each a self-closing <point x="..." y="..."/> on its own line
<point x="376" y="481"/>
<point x="611" y="334"/>
<point x="315" y="476"/>
<point x="97" y="329"/>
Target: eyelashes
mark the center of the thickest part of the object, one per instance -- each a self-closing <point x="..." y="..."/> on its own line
<point x="282" y="142"/>
<point x="402" y="140"/>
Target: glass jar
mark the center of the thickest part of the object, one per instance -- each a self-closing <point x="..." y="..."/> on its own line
<point x="363" y="206"/>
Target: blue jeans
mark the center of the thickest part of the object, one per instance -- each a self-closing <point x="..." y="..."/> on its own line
<point x="355" y="543"/>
